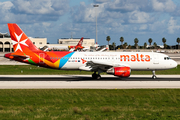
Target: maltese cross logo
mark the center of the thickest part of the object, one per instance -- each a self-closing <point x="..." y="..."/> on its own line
<point x="18" y="42"/>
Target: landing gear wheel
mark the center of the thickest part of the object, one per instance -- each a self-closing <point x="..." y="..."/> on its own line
<point x="94" y="76"/>
<point x="154" y="75"/>
<point x="98" y="77"/>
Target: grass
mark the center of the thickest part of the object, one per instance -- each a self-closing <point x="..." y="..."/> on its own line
<point x="85" y="104"/>
<point x="34" y="70"/>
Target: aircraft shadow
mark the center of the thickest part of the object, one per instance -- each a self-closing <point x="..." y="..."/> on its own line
<point x="80" y="78"/>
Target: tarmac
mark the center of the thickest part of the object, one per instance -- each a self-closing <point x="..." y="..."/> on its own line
<point x="86" y="82"/>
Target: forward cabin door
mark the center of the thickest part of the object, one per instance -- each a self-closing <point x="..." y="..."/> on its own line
<point x="156" y="59"/>
<point x="41" y="58"/>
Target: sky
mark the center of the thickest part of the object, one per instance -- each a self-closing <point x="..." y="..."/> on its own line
<point x="55" y="19"/>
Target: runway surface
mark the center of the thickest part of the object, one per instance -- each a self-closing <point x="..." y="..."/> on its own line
<point x="86" y="82"/>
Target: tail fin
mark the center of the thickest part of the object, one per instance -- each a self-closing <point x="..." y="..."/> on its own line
<point x="80" y="42"/>
<point x="21" y="43"/>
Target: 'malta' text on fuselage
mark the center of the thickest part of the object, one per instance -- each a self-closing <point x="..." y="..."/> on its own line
<point x="133" y="58"/>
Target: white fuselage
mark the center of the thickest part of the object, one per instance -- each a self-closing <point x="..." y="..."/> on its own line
<point x="59" y="47"/>
<point x="135" y="60"/>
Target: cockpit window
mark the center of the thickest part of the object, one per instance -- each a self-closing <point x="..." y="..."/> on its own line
<point x="167" y="58"/>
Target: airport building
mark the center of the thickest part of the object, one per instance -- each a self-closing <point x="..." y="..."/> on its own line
<point x="7" y="46"/>
<point x="73" y="41"/>
<point x="65" y="42"/>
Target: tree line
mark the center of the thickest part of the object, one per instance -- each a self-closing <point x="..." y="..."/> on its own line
<point x="124" y="45"/>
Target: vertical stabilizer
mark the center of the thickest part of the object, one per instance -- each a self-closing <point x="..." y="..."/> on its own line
<point x="21" y="43"/>
<point x="80" y="42"/>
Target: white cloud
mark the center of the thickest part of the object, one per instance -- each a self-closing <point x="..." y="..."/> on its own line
<point x="5" y="6"/>
<point x="139" y="17"/>
<point x="5" y="12"/>
<point x="128" y="5"/>
<point x="163" y="5"/>
<point x="143" y="27"/>
<point x="172" y="26"/>
<point x="122" y="6"/>
<point x="30" y="11"/>
<point x="100" y="1"/>
<point x="158" y="26"/>
<point x="52" y="7"/>
<point x="115" y="17"/>
<point x="87" y="13"/>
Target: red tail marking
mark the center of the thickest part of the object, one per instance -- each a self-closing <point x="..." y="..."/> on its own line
<point x="78" y="46"/>
<point x="21" y="43"/>
<point x="80" y="42"/>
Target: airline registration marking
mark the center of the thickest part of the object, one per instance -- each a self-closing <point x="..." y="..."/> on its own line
<point x="133" y="58"/>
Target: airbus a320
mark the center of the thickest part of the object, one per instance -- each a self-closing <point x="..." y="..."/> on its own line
<point x="116" y="63"/>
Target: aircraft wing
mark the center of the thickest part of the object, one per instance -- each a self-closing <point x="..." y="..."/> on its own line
<point x="97" y="65"/>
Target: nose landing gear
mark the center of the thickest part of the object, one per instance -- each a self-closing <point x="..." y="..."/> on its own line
<point x="154" y="75"/>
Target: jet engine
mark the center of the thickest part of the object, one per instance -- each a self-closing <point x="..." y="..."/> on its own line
<point x="119" y="71"/>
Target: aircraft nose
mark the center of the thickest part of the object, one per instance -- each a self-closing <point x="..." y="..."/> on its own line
<point x="174" y="64"/>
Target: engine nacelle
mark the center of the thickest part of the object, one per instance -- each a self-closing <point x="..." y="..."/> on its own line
<point x="120" y="71"/>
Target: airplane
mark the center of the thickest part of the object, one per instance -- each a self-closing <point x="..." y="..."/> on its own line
<point x="116" y="63"/>
<point x="68" y="48"/>
<point x="77" y="47"/>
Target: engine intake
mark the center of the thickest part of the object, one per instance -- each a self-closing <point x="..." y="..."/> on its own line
<point x="119" y="71"/>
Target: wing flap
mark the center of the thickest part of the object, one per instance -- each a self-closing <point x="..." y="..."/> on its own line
<point x="96" y="65"/>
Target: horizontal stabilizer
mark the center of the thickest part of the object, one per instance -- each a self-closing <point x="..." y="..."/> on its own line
<point x="21" y="56"/>
<point x="15" y="55"/>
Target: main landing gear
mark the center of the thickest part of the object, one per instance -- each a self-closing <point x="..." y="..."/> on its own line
<point x="96" y="76"/>
<point x="154" y="75"/>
